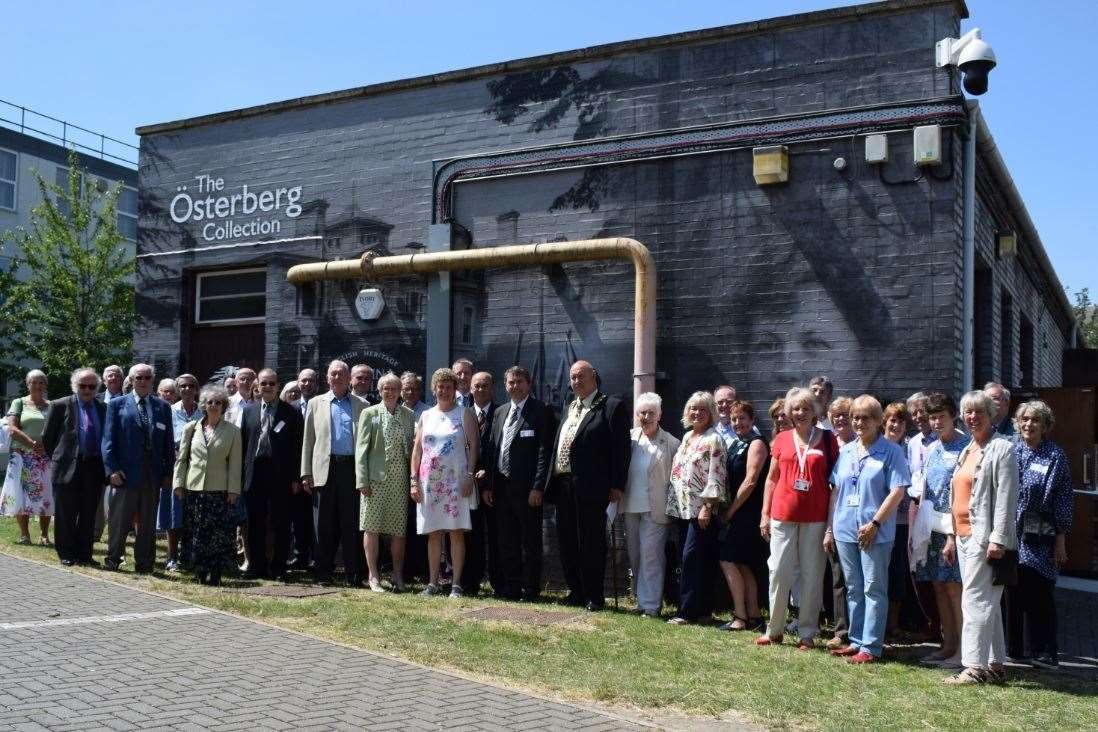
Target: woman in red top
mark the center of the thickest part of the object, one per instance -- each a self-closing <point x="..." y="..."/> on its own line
<point x="794" y="516"/>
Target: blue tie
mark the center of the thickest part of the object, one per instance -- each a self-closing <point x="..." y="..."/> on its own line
<point x="91" y="434"/>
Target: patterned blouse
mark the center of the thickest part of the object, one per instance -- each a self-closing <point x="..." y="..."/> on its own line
<point x="938" y="467"/>
<point x="1044" y="486"/>
<point x="698" y="474"/>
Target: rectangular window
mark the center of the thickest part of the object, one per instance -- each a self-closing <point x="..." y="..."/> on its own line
<point x="126" y="212"/>
<point x="467" y="326"/>
<point x="1025" y="349"/>
<point x="8" y="170"/>
<point x="239" y="296"/>
<point x="1006" y="338"/>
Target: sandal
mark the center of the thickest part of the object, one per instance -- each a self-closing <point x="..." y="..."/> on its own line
<point x="737" y="623"/>
<point x="805" y="644"/>
<point x="996" y="676"/>
<point x="44" y="541"/>
<point x="968" y="676"/>
<point x="678" y="621"/>
<point x="765" y="640"/>
<point x="23" y="541"/>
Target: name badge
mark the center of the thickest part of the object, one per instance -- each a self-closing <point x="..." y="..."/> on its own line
<point x="800" y="484"/>
<point x="1038" y="468"/>
<point x="526" y="433"/>
<point x="160" y="426"/>
<point x="853" y="501"/>
<point x="874" y="463"/>
<point x="278" y="427"/>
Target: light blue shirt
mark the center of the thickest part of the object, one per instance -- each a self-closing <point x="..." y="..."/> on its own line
<point x="181" y="418"/>
<point x="864" y="482"/>
<point x="343" y="438"/>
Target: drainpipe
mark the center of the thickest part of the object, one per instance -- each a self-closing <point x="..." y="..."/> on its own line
<point x="968" y="325"/>
<point x="371" y="266"/>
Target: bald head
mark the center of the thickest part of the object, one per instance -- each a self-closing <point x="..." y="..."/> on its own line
<point x="582" y="379"/>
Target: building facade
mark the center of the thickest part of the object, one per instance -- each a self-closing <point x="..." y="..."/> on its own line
<point x="850" y="268"/>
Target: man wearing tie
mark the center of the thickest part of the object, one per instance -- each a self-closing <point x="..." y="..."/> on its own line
<point x="482" y="535"/>
<point x="362" y="383"/>
<point x="138" y="455"/>
<point x="328" y="463"/>
<point x="302" y="527"/>
<point x="517" y="455"/>
<point x="463" y="369"/>
<point x="271" y="433"/>
<point x="590" y="468"/>
<point x="74" y="431"/>
<point x="112" y="383"/>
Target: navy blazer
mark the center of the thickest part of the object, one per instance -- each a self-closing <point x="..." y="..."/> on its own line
<point x="124" y="442"/>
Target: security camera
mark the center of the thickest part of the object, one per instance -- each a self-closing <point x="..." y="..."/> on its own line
<point x="971" y="55"/>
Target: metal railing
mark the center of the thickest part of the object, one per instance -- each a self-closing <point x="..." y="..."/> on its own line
<point x="67" y="134"/>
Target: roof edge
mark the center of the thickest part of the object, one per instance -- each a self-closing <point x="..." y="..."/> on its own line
<point x="989" y="151"/>
<point x="562" y="57"/>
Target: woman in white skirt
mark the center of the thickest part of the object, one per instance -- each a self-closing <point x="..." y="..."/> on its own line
<point x="444" y="459"/>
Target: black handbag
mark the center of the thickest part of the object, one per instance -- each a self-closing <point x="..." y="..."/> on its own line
<point x="1036" y="528"/>
<point x="1004" y="570"/>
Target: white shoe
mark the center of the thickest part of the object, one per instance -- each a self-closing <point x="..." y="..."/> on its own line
<point x="375" y="586"/>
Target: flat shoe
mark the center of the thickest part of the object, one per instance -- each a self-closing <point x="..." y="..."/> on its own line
<point x="765" y="640"/>
<point x="845" y="651"/>
<point x="23" y="541"/>
<point x="967" y="676"/>
<point x="678" y="621"/>
<point x="861" y="657"/>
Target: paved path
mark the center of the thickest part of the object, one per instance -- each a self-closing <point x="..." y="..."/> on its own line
<point x="78" y="653"/>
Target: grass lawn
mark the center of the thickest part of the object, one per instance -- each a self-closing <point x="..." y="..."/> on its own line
<point x="618" y="658"/>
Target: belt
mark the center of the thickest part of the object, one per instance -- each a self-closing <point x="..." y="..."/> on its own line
<point x="342" y="458"/>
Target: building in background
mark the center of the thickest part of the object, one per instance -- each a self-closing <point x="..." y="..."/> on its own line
<point x="853" y="265"/>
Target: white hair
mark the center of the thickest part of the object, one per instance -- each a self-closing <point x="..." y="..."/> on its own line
<point x="979" y="400"/>
<point x="290" y="386"/>
<point x="80" y="374"/>
<point x="112" y="367"/>
<point x="914" y="399"/>
<point x="799" y="395"/>
<point x="1038" y="407"/>
<point x="997" y="385"/>
<point x="34" y="374"/>
<point x="389" y="377"/>
<point x="649" y="400"/>
<point x="337" y="362"/>
<point x="140" y="367"/>
<point x="169" y="383"/>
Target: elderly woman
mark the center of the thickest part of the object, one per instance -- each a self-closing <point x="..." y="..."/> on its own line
<point x="984" y="503"/>
<point x="936" y="561"/>
<point x="168" y="390"/>
<point x="444" y="461"/>
<point x="778" y="418"/>
<point x="794" y="516"/>
<point x="645" y="503"/>
<point x="170" y="512"/>
<point x="1043" y="520"/>
<point x="27" y="489"/>
<point x="208" y="470"/>
<point x="741" y="547"/>
<point x="838" y="413"/>
<point x="696" y="489"/>
<point x="291" y="392"/>
<point x="869" y="479"/>
<point x="383" y="448"/>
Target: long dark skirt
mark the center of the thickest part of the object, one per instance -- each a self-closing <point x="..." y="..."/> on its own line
<point x="212" y="530"/>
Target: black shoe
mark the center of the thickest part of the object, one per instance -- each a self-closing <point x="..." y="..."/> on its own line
<point x="202" y="577"/>
<point x="111" y="566"/>
<point x="594" y="607"/>
<point x="252" y="575"/>
<point x="572" y="600"/>
<point x="1047" y="662"/>
<point x="284" y="577"/>
<point x="215" y="579"/>
<point x="67" y="562"/>
<point x="355" y="582"/>
<point x="322" y="579"/>
<point x="90" y="563"/>
<point x="530" y="596"/>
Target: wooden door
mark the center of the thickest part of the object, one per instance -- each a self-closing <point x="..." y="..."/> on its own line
<point x="213" y="348"/>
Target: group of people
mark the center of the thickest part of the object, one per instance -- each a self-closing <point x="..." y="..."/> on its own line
<point x="883" y="497"/>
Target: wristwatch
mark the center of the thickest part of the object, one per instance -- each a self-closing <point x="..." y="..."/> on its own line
<point x="876" y="523"/>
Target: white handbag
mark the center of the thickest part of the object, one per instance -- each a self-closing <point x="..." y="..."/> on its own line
<point x="12" y="498"/>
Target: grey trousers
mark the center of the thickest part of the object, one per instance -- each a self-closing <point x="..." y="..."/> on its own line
<point x="140" y="500"/>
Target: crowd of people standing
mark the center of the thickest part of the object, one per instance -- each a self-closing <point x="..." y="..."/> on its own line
<point x="870" y="506"/>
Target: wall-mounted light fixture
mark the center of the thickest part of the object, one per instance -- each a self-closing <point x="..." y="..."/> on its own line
<point x="771" y="164"/>
<point x="1006" y="244"/>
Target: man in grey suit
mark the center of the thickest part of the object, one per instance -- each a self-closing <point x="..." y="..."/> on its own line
<point x="328" y="465"/>
<point x="74" y="430"/>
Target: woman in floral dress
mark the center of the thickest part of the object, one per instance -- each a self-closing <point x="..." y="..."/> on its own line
<point x="30" y="491"/>
<point x="444" y="459"/>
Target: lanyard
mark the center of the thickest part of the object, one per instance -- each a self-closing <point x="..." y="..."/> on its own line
<point x="802" y="455"/>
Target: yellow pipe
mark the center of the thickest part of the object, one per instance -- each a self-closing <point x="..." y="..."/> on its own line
<point x="370" y="266"/>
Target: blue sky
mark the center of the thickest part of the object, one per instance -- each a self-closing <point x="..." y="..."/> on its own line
<point x="111" y="66"/>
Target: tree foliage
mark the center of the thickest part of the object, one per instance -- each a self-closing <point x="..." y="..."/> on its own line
<point x="1086" y="315"/>
<point x="76" y="305"/>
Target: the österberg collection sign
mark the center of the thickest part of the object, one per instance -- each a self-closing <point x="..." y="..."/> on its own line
<point x="211" y="204"/>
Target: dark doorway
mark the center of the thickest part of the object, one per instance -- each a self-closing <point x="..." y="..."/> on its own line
<point x="982" y="324"/>
<point x="1006" y="339"/>
<point x="215" y="347"/>
<point x="1025" y="350"/>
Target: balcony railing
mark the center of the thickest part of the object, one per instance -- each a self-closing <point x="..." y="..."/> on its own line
<point x="51" y="129"/>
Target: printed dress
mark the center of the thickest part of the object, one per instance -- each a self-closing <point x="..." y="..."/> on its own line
<point x="938" y="467"/>
<point x="385" y="511"/>
<point x="30" y="491"/>
<point x="442" y="469"/>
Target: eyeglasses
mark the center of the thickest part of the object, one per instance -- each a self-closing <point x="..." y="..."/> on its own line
<point x="86" y="386"/>
<point x="140" y="377"/>
<point x="860" y="418"/>
<point x="214" y="403"/>
<point x="187" y="386"/>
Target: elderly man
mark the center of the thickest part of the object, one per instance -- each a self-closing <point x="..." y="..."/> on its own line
<point x="517" y="452"/>
<point x="411" y="393"/>
<point x="1002" y="422"/>
<point x="822" y="388"/>
<point x="271" y="434"/>
<point x="362" y="383"/>
<point x="138" y="456"/>
<point x="230" y="385"/>
<point x="328" y="465"/>
<point x="112" y="383"/>
<point x="590" y="469"/>
<point x="245" y="380"/>
<point x="302" y="527"/>
<point x="74" y="431"/>
<point x="725" y="396"/>
<point x="481" y="538"/>
<point x="463" y="369"/>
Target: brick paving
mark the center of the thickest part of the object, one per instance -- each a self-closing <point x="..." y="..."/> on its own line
<point x="159" y="670"/>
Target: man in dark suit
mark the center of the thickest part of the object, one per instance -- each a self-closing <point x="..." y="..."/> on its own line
<point x="517" y="454"/>
<point x="302" y="522"/>
<point x="271" y="432"/>
<point x="138" y="456"/>
<point x="72" y="439"/>
<point x="589" y="469"/>
<point x="480" y="540"/>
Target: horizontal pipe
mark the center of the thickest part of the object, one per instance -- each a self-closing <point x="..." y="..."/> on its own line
<point x="371" y="266"/>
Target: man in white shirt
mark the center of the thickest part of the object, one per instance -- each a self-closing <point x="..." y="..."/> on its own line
<point x="306" y="382"/>
<point x="245" y="379"/>
<point x="112" y="383"/>
<point x="411" y="393"/>
<point x="463" y="369"/>
<point x="362" y="383"/>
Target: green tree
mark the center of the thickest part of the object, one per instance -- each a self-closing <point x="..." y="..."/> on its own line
<point x="1086" y="315"/>
<point x="9" y="318"/>
<point x="76" y="306"/>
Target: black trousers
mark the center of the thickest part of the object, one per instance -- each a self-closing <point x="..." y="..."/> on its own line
<point x="301" y="527"/>
<point x="476" y="558"/>
<point x="337" y="524"/>
<point x="75" y="507"/>
<point x="581" y="530"/>
<point x="518" y="541"/>
<point x="415" y="548"/>
<point x="268" y="499"/>
<point x="143" y="500"/>
<point x="698" y="570"/>
<point x="1031" y="615"/>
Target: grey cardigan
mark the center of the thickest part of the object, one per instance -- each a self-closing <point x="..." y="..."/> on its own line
<point x="994" y="493"/>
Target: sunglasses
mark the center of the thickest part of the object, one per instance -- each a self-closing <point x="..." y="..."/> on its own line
<point x="140" y="377"/>
<point x="85" y="386"/>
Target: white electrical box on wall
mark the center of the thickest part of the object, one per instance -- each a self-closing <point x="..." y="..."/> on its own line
<point x="876" y="148"/>
<point x="928" y="145"/>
